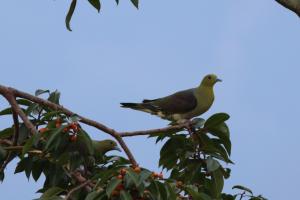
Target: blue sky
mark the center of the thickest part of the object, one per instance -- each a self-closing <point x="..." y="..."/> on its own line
<point x="123" y="54"/>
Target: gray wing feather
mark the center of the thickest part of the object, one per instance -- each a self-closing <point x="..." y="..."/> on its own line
<point x="179" y="102"/>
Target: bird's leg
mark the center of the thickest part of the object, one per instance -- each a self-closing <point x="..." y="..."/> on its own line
<point x="190" y="128"/>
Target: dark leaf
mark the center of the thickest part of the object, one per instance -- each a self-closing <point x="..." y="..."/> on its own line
<point x="51" y="192"/>
<point x="193" y="191"/>
<point x="124" y="195"/>
<point x="54" y="96"/>
<point x="112" y="185"/>
<point x="40" y="91"/>
<point x="6" y="133"/>
<point x="2" y="176"/>
<point x="3" y="153"/>
<point x="7" y="111"/>
<point x="29" y="143"/>
<point x="212" y="164"/>
<point x="240" y="187"/>
<point x="24" y="102"/>
<point x="96" y="4"/>
<point x="93" y="196"/>
<point x="135" y="3"/>
<point x="216" y="119"/>
<point x="70" y="14"/>
<point x="54" y="135"/>
<point x="37" y="169"/>
<point x="217" y="183"/>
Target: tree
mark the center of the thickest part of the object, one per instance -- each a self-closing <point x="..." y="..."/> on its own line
<point x="50" y="141"/>
<point x="293" y="5"/>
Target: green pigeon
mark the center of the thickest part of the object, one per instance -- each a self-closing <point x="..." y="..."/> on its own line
<point x="183" y="105"/>
<point x="102" y="147"/>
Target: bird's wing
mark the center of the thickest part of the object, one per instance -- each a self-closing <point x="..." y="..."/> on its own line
<point x="179" y="102"/>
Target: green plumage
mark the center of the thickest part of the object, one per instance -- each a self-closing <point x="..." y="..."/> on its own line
<point x="182" y="105"/>
<point x="102" y="147"/>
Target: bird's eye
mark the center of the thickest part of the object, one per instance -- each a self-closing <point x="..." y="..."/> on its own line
<point x="209" y="77"/>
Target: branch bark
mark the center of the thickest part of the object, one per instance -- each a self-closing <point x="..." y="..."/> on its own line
<point x="293" y="5"/>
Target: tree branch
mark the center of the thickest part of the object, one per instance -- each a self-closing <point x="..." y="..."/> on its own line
<point x="9" y="92"/>
<point x="293" y="5"/>
<point x="14" y="140"/>
<point x="154" y="131"/>
<point x="85" y="183"/>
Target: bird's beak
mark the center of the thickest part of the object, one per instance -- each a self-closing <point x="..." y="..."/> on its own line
<point x="218" y="80"/>
<point x="117" y="149"/>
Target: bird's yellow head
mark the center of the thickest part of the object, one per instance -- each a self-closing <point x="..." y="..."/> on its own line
<point x="210" y="80"/>
<point x="108" y="145"/>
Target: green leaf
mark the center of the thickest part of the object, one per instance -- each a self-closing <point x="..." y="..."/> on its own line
<point x="216" y="119"/>
<point x="37" y="169"/>
<point x="54" y="96"/>
<point x="170" y="191"/>
<point x="7" y="111"/>
<point x="192" y="190"/>
<point x="6" y="133"/>
<point x="135" y="3"/>
<point x="93" y="196"/>
<point x="50" y="115"/>
<point x="24" y="165"/>
<point x="212" y="164"/>
<point x="40" y="91"/>
<point x="112" y="185"/>
<point x="124" y="195"/>
<point x="51" y="192"/>
<point x="240" y="187"/>
<point x="222" y="131"/>
<point x="96" y="4"/>
<point x="29" y="143"/>
<point x="228" y="197"/>
<point x="2" y="176"/>
<point x="217" y="183"/>
<point x="3" y="153"/>
<point x="24" y="133"/>
<point x="154" y="191"/>
<point x="70" y="14"/>
<point x="24" y="102"/>
<point x="133" y="176"/>
<point x="54" y="135"/>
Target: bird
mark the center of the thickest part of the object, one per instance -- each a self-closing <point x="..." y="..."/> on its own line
<point x="102" y="147"/>
<point x="181" y="106"/>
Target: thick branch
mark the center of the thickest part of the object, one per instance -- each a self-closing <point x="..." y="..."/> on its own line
<point x="14" y="141"/>
<point x="11" y="98"/>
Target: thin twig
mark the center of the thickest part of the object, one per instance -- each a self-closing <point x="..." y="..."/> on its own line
<point x="154" y="131"/>
<point x="6" y="142"/>
<point x="16" y="125"/>
<point x="77" y="188"/>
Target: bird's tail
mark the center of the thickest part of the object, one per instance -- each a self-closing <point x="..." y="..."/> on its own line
<point x="130" y="105"/>
<point x="146" y="107"/>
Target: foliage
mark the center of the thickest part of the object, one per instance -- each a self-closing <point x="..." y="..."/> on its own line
<point x="95" y="3"/>
<point x="62" y="152"/>
<point x="293" y="5"/>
